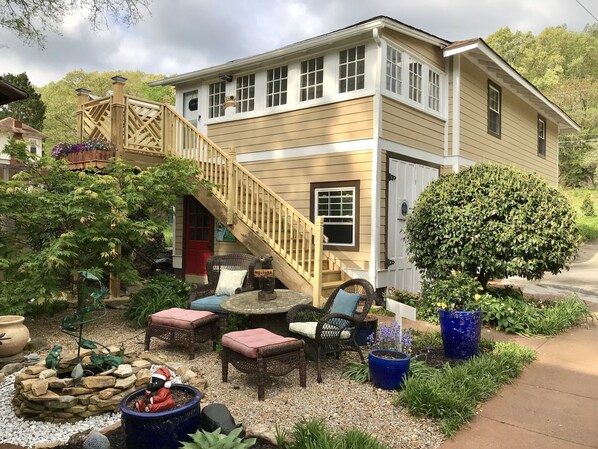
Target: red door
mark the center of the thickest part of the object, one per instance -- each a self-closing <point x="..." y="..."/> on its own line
<point x="199" y="232"/>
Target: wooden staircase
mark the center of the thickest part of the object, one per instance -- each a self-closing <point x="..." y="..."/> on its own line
<point x="261" y="220"/>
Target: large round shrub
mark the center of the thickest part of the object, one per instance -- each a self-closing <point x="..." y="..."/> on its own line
<point x="491" y="221"/>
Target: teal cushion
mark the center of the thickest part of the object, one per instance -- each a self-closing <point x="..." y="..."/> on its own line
<point x="209" y="304"/>
<point x="345" y="303"/>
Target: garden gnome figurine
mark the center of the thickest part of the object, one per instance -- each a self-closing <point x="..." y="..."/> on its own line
<point x="157" y="393"/>
<point x="53" y="357"/>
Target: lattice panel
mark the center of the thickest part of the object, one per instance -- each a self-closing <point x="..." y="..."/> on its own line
<point x="144" y="127"/>
<point x="96" y="120"/>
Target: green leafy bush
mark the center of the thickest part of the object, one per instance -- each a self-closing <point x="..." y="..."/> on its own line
<point x="457" y="291"/>
<point x="491" y="221"/>
<point x="587" y="206"/>
<point x="216" y="440"/>
<point x="160" y="293"/>
<point x="452" y="394"/>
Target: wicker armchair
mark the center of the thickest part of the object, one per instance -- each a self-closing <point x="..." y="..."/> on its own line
<point x="325" y="331"/>
<point x="204" y="297"/>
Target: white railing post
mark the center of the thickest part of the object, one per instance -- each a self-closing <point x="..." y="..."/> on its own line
<point x="318" y="251"/>
<point x="232" y="186"/>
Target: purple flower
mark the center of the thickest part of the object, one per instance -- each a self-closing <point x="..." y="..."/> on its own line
<point x="390" y="337"/>
<point x="97" y="143"/>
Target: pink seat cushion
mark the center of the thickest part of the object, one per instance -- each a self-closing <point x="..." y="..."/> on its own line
<point x="180" y="318"/>
<point x="248" y="342"/>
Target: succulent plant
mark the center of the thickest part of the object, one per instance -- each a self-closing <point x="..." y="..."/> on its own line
<point x="218" y="440"/>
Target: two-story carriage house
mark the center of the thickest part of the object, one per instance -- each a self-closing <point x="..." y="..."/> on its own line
<point x="345" y="130"/>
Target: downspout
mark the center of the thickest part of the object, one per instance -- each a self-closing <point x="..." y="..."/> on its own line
<point x="456" y="111"/>
<point x="376" y="166"/>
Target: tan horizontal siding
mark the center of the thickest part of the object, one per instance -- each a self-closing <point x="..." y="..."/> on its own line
<point x="518" y="145"/>
<point x="330" y="123"/>
<point x="428" y="53"/>
<point x="408" y="126"/>
<point x="291" y="179"/>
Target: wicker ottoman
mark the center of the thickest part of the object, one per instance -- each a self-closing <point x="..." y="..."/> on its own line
<point x="183" y="325"/>
<point x="263" y="352"/>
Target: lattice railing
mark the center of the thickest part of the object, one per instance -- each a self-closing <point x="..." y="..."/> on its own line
<point x="97" y="118"/>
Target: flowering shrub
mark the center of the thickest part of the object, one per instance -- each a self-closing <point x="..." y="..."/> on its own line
<point x="97" y="143"/>
<point x="459" y="291"/>
<point x="390" y="337"/>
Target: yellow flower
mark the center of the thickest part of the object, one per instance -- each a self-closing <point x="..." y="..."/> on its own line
<point x="477" y="297"/>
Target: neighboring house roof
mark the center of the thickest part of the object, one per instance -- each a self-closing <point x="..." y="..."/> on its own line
<point x="7" y="125"/>
<point x="476" y="48"/>
<point x="10" y="93"/>
<point x="494" y="64"/>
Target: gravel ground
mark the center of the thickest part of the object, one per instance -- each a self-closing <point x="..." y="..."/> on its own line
<point x="340" y="402"/>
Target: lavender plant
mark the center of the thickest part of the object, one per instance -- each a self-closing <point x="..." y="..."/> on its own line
<point x="391" y="337"/>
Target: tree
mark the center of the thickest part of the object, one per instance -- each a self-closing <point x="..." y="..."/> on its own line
<point x="491" y="222"/>
<point x="55" y="222"/>
<point x="61" y="116"/>
<point x="30" y="19"/>
<point x="30" y="111"/>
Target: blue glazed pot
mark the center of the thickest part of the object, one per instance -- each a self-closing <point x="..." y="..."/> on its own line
<point x="160" y="430"/>
<point x="460" y="332"/>
<point x="388" y="368"/>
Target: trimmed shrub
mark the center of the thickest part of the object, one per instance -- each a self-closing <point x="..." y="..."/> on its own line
<point x="587" y="206"/>
<point x="491" y="221"/>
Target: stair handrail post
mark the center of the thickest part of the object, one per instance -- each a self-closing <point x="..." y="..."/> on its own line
<point x="318" y="252"/>
<point x="83" y="96"/>
<point x="232" y="186"/>
<point x="117" y="118"/>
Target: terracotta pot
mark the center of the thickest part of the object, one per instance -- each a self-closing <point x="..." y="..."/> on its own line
<point x="16" y="335"/>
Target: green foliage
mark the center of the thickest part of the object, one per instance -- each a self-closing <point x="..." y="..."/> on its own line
<point x="491" y="221"/>
<point x="64" y="221"/>
<point x="587" y="207"/>
<point x="30" y="111"/>
<point x="60" y="124"/>
<point x="453" y="393"/>
<point x="458" y="291"/>
<point x="47" y="307"/>
<point x="216" y="440"/>
<point x="312" y="434"/>
<point x="587" y="226"/>
<point x="159" y="293"/>
<point x="357" y="371"/>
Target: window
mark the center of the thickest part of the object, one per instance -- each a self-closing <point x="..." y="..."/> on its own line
<point x="312" y="79"/>
<point x="276" y="86"/>
<point x="216" y="99"/>
<point x="351" y="69"/>
<point x="494" y="107"/>
<point x="434" y="90"/>
<point x="338" y="204"/>
<point x="541" y="136"/>
<point x="415" y="81"/>
<point x="245" y="93"/>
<point x="394" y="66"/>
<point x="33" y="149"/>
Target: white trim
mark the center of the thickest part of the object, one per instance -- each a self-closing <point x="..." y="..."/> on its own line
<point x="457" y="161"/>
<point x="445" y="105"/>
<point x="414" y="153"/>
<point x="177" y="261"/>
<point x="456" y="105"/>
<point x="313" y="150"/>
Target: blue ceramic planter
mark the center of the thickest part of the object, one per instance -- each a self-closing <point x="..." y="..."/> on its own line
<point x="388" y="368"/>
<point x="160" y="430"/>
<point x="460" y="333"/>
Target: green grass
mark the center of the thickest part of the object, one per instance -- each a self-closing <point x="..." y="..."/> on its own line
<point x="167" y="236"/>
<point x="588" y="226"/>
<point x="452" y="394"/>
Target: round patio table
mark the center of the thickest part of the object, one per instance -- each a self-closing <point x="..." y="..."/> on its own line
<point x="270" y="314"/>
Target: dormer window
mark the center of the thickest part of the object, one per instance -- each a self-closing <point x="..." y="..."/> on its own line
<point x="312" y="79"/>
<point x="351" y="69"/>
<point x="216" y="99"/>
<point x="245" y="93"/>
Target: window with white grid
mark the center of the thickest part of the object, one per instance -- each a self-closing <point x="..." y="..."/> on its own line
<point x="434" y="90"/>
<point x="337" y="206"/>
<point x="351" y="69"/>
<point x="494" y="107"/>
<point x="276" y="86"/>
<point x="394" y="66"/>
<point x="216" y="99"/>
<point x="415" y="81"/>
<point x="312" y="79"/>
<point x="541" y="136"/>
<point x="245" y="93"/>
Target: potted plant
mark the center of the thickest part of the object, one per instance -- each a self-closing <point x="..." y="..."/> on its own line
<point x="458" y="299"/>
<point x="389" y="358"/>
<point x="92" y="150"/>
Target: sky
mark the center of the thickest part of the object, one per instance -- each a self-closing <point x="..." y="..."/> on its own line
<point x="179" y="36"/>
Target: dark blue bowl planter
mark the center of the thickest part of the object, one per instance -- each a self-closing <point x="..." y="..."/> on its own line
<point x="460" y="332"/>
<point x="366" y="330"/>
<point x="388" y="368"/>
<point x="160" y="430"/>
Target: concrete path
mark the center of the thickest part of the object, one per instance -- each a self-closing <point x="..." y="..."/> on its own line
<point x="554" y="404"/>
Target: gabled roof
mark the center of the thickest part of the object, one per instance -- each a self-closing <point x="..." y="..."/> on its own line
<point x="476" y="49"/>
<point x="7" y="125"/>
<point x="10" y="93"/>
<point x="481" y="54"/>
